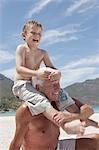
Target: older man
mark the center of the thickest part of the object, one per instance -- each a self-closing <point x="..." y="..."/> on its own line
<point x="38" y="133"/>
<point x="42" y="134"/>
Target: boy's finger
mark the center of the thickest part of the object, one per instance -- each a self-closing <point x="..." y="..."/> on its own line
<point x="47" y="72"/>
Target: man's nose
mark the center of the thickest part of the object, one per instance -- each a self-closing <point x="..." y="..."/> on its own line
<point x="56" y="86"/>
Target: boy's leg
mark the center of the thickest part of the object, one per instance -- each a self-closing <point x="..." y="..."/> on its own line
<point x="63" y="120"/>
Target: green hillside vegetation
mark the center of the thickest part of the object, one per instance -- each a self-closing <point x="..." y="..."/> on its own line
<point x="87" y="92"/>
<point x="7" y="104"/>
<point x="7" y="99"/>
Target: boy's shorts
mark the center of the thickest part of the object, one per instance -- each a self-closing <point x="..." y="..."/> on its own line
<point x="66" y="144"/>
<point x="36" y="101"/>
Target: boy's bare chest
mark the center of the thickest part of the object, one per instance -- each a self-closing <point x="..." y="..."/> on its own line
<point x="33" y="61"/>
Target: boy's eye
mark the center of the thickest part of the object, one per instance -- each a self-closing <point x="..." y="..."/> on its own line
<point x="34" y="33"/>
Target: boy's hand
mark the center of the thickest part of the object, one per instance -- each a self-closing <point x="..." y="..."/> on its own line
<point x="55" y="76"/>
<point x="43" y="75"/>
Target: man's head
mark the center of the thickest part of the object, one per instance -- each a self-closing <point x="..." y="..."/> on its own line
<point x="32" y="32"/>
<point x="47" y="87"/>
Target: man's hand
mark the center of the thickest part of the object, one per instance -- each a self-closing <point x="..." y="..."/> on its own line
<point x="61" y="118"/>
<point x="85" y="112"/>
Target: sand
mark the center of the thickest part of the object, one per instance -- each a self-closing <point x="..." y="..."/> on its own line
<point x="7" y="127"/>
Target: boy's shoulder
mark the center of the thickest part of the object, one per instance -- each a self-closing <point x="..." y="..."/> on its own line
<point x="42" y="51"/>
<point x="21" y="47"/>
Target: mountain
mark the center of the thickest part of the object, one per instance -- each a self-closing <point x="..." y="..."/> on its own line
<point x="5" y="87"/>
<point x="87" y="92"/>
<point x="7" y="99"/>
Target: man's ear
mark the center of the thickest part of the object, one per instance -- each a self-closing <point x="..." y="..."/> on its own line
<point x="23" y="35"/>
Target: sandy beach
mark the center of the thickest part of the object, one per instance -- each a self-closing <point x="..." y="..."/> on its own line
<point x="7" y="127"/>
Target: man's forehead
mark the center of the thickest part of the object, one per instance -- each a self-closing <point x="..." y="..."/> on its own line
<point x="50" y="83"/>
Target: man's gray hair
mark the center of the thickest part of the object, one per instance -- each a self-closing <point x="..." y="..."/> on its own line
<point x="36" y="81"/>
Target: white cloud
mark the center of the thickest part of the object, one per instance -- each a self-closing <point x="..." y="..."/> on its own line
<point x="56" y="57"/>
<point x="37" y="7"/>
<point x="81" y="6"/>
<point x="80" y="70"/>
<point x="88" y="61"/>
<point x="6" y="56"/>
<point x="71" y="76"/>
<point x="63" y="34"/>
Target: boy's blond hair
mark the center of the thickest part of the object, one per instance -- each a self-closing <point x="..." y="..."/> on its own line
<point x="31" y="23"/>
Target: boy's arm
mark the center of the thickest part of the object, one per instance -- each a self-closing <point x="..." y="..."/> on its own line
<point x="47" y="61"/>
<point x="56" y="75"/>
<point x="20" y="63"/>
<point x="24" y="71"/>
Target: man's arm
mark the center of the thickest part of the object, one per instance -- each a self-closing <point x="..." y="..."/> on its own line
<point x="89" y="122"/>
<point x="77" y="102"/>
<point x="23" y="117"/>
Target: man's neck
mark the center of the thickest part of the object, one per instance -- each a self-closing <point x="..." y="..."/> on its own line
<point x="34" y="49"/>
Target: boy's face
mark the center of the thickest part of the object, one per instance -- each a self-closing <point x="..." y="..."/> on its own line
<point x="33" y="36"/>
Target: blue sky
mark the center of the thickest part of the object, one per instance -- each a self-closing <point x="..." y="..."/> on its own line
<point x="70" y="36"/>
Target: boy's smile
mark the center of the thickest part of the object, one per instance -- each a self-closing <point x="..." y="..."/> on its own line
<point x="33" y="36"/>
